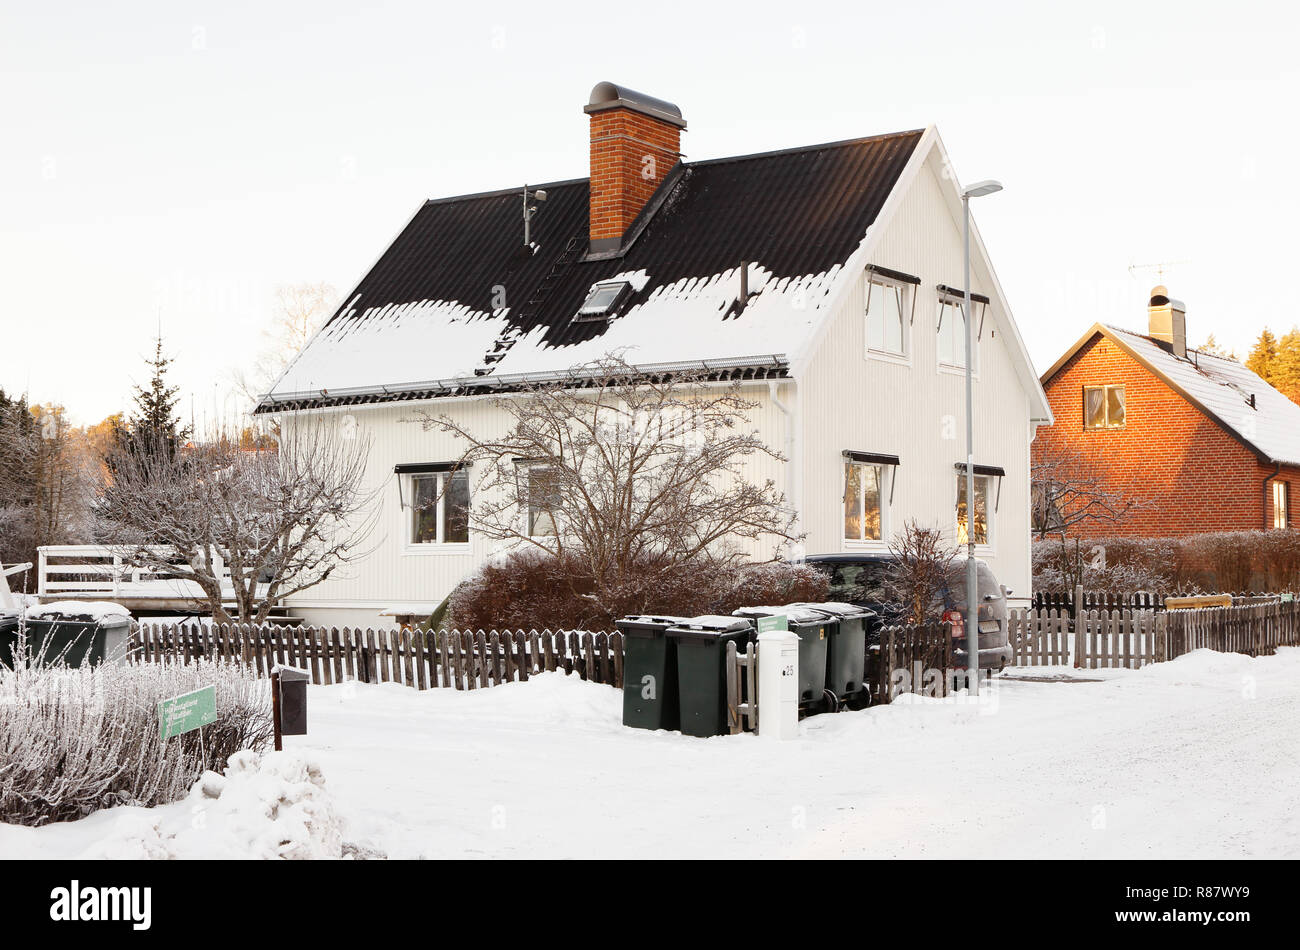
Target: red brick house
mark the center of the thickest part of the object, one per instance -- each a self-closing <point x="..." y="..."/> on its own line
<point x="1201" y="440"/>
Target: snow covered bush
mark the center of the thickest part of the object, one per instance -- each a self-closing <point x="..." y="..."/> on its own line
<point x="73" y="741"/>
<point x="531" y="590"/>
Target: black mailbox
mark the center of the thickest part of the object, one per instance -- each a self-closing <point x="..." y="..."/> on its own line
<point x="293" y="701"/>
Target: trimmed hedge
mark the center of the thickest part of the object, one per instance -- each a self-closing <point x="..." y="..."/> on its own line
<point x="1233" y="561"/>
<point x="532" y="590"/>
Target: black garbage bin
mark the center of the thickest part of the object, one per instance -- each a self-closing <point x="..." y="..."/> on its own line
<point x="8" y="639"/>
<point x="701" y="645"/>
<point x="846" y="650"/>
<point x="649" y="672"/>
<point x="811" y="626"/>
<point x="293" y="700"/>
<point x="77" y="636"/>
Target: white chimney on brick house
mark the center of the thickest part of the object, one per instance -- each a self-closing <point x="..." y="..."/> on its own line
<point x="1167" y="321"/>
<point x="635" y="142"/>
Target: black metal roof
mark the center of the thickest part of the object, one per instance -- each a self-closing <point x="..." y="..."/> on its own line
<point x="797" y="212"/>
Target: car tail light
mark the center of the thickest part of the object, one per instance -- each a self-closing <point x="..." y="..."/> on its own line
<point x="955" y="618"/>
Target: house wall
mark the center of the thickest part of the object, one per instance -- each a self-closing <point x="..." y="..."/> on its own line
<point x="396" y="573"/>
<point x="916" y="410"/>
<point x="1187" y="472"/>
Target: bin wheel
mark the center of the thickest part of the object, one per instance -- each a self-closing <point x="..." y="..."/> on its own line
<point x="859" y="700"/>
<point x="830" y="702"/>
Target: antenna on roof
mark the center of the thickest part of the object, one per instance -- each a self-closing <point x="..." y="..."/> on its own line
<point x="1158" y="267"/>
<point x="529" y="211"/>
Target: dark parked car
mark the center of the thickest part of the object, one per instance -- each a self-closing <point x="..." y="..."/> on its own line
<point x="860" y="579"/>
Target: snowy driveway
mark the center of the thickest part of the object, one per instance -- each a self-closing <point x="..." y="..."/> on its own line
<point x="1194" y="758"/>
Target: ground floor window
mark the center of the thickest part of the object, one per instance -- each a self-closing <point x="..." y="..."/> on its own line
<point x="864" y="507"/>
<point x="440" y="508"/>
<point x="982" y="510"/>
<point x="543" y="501"/>
<point x="1281" y="505"/>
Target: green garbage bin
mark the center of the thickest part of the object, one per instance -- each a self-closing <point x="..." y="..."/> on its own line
<point x="811" y="626"/>
<point x="846" y="650"/>
<point x="649" y="672"/>
<point x="701" y="645"/>
<point x="77" y="637"/>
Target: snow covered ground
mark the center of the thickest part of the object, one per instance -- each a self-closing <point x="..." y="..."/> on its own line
<point x="1190" y="759"/>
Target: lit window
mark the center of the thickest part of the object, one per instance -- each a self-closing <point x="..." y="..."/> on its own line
<point x="1103" y="407"/>
<point x="863" y="502"/>
<point x="887" y="325"/>
<point x="981" y="509"/>
<point x="952" y="335"/>
<point x="603" y="301"/>
<point x="440" y="508"/>
<point x="543" y="501"/>
<point x="1281" y="505"/>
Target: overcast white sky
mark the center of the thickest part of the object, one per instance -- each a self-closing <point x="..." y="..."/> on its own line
<point x="180" y="159"/>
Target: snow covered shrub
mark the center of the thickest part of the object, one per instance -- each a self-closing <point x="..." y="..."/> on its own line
<point x="532" y="590"/>
<point x="73" y="741"/>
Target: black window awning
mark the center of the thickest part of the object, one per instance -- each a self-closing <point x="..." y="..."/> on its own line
<point x="961" y="294"/>
<point x="870" y="458"/>
<point x="997" y="470"/>
<point x="897" y="275"/>
<point x="425" y="468"/>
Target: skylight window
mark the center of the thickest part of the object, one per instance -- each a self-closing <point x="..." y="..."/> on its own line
<point x="604" y="300"/>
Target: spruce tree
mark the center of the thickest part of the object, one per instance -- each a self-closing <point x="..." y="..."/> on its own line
<point x="1262" y="360"/>
<point x="155" y="427"/>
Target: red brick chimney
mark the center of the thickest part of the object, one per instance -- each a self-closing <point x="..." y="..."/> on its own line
<point x="635" y="141"/>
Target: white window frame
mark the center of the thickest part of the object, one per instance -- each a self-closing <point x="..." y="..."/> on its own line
<point x="906" y="302"/>
<point x="990" y="510"/>
<point x="885" y="481"/>
<point x="528" y="509"/>
<point x="1105" y="407"/>
<point x="1281" y="504"/>
<point x="958" y="306"/>
<point x="439" y="545"/>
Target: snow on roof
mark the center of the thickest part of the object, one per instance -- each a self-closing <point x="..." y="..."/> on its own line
<point x="457" y="300"/>
<point x="1223" y="387"/>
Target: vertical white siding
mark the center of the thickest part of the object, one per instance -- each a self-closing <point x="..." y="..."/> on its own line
<point x="917" y="411"/>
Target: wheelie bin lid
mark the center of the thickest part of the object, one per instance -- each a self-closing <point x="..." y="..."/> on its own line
<point x="797" y="614"/>
<point x="646" y="625"/>
<point x="709" y="628"/>
<point x="837" y="610"/>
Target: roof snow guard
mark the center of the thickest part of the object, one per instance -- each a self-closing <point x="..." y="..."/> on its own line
<point x="453" y="301"/>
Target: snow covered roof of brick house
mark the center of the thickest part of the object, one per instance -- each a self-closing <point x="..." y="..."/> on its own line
<point x="458" y="304"/>
<point x="1234" y="397"/>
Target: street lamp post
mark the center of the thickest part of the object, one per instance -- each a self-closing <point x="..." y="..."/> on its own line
<point x="977" y="190"/>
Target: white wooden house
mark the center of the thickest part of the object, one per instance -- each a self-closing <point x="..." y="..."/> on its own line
<point x="824" y="278"/>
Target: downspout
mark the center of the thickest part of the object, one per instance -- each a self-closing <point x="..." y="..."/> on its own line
<point x="1268" y="478"/>
<point x="791" y="444"/>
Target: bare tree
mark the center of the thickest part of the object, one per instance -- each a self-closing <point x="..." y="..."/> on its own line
<point x="277" y="520"/>
<point x="300" y="311"/>
<point x="1069" y="491"/>
<point x="922" y="568"/>
<point x="635" y="476"/>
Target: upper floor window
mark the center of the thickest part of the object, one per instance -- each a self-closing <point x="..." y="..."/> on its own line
<point x="439" y="508"/>
<point x="952" y="334"/>
<point x="888" y="320"/>
<point x="1281" y="505"/>
<point x="1103" y="407"/>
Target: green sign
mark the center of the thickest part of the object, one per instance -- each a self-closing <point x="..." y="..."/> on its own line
<point x="768" y="624"/>
<point x="187" y="712"/>
<point x="1287" y="598"/>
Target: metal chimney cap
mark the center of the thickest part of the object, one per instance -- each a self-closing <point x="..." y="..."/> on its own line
<point x="607" y="95"/>
<point x="1160" y="298"/>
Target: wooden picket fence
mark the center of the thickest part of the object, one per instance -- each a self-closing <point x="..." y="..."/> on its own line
<point x="1128" y="638"/>
<point x="419" y="659"/>
<point x="923" y="652"/>
<point x="1072" y="603"/>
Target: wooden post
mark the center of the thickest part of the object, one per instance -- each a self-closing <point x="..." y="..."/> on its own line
<point x="275" y="710"/>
